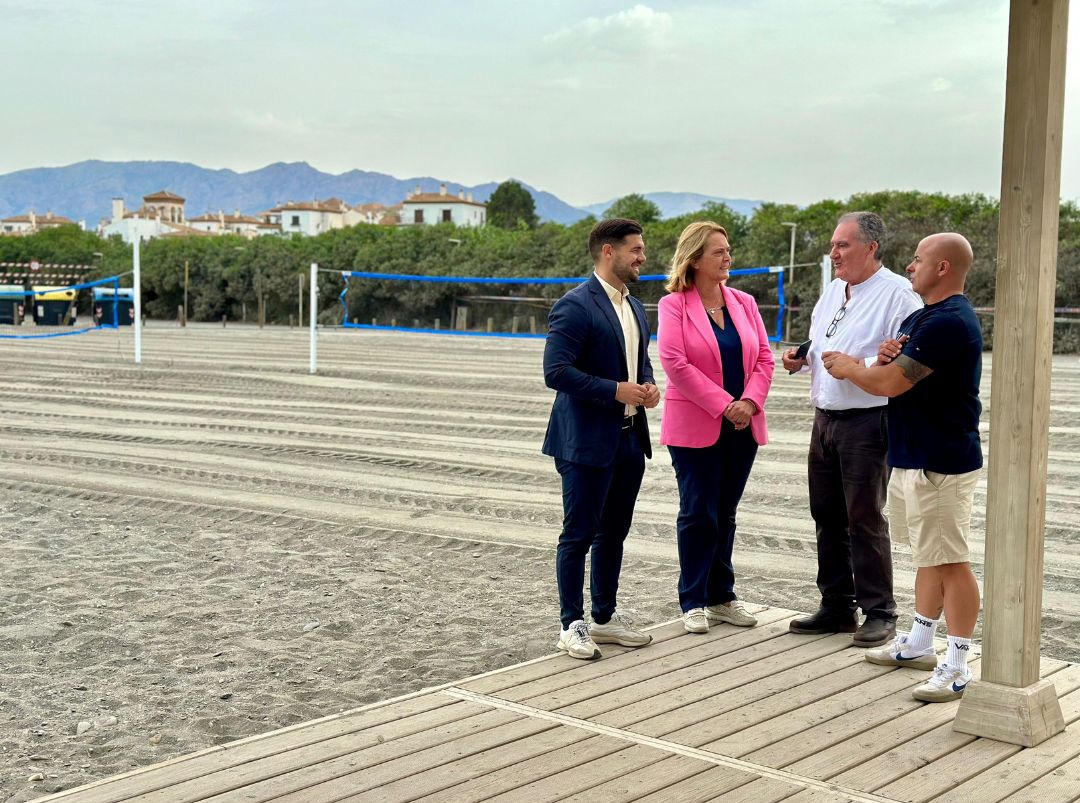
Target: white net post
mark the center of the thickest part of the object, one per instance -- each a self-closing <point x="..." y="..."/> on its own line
<point x="138" y="301"/>
<point x="313" y="309"/>
<point x="826" y="274"/>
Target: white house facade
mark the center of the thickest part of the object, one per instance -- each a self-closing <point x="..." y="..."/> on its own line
<point x="432" y="208"/>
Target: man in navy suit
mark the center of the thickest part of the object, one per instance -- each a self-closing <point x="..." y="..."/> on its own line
<point x="597" y="359"/>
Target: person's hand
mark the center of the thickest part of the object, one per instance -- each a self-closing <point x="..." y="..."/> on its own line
<point x="890" y="349"/>
<point x="840" y="365"/>
<point x="791" y="365"/>
<point x="739" y="413"/>
<point x="632" y="393"/>
<point x="652" y="397"/>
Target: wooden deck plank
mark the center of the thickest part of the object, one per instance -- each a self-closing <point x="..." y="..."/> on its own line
<point x="965" y="763"/>
<point x="649" y="698"/>
<point x="459" y="773"/>
<point x="264" y="779"/>
<point x="851" y="717"/>
<point x="699" y="661"/>
<point x="1060" y="786"/>
<point x="561" y="785"/>
<point x="401" y="770"/>
<point x="383" y="722"/>
<point x="902" y="759"/>
<point x="1027" y="766"/>
<point x="700" y="788"/>
<point x="752" y="743"/>
<point x="739" y="714"/>
<point x="568" y="758"/>
<point x="558" y="663"/>
<point x="685" y="650"/>
<point x="762" y="790"/>
<point x="639" y="783"/>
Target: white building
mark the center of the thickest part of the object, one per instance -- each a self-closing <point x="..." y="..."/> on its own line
<point x="161" y="215"/>
<point x="429" y="209"/>
<point x="31" y="223"/>
<point x="311" y="218"/>
<point x="236" y="223"/>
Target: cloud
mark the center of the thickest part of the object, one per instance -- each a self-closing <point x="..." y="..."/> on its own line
<point x="269" y="123"/>
<point x="625" y="32"/>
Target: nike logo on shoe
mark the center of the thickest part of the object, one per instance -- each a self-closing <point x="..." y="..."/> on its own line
<point x="958" y="687"/>
<point x="901" y="657"/>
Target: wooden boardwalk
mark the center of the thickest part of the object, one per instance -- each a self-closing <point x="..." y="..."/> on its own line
<point x="755" y="715"/>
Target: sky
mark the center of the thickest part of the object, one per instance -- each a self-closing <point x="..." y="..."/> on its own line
<point x="782" y="100"/>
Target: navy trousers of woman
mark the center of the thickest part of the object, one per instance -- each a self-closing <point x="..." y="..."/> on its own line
<point x="711" y="482"/>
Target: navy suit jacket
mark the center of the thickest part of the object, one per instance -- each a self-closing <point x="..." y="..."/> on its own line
<point x="584" y="360"/>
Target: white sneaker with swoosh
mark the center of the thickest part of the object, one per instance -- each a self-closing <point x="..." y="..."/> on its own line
<point x="947" y="683"/>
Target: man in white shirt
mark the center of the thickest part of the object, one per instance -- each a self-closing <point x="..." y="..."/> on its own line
<point x="848" y="476"/>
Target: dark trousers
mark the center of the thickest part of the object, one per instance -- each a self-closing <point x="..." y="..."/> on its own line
<point x="848" y="483"/>
<point x="598" y="506"/>
<point x="711" y="482"/>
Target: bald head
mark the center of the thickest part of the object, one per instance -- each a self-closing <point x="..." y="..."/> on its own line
<point x="941" y="266"/>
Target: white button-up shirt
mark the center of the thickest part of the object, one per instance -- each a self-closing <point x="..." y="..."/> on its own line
<point x="631" y="334"/>
<point x="873" y="314"/>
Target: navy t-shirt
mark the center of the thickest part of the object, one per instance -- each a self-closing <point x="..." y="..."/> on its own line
<point x="934" y="426"/>
<point x="730" y="355"/>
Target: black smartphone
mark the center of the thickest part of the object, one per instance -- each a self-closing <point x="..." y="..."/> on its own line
<point x="801" y="352"/>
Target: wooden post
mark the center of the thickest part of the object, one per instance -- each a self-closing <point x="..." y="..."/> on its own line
<point x="393" y="322"/>
<point x="491" y="325"/>
<point x="463" y="318"/>
<point x="438" y="323"/>
<point x="532" y="324"/>
<point x="290" y="320"/>
<point x="179" y="314"/>
<point x="1010" y="703"/>
<point x="514" y="325"/>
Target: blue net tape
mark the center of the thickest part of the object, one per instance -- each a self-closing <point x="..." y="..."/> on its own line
<point x="113" y="280"/>
<point x="655" y="277"/>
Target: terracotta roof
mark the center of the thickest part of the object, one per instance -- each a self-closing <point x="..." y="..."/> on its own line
<point x="164" y="195"/>
<point x="333" y="205"/>
<point x="208" y="218"/>
<point x="180" y="230"/>
<point x="48" y="219"/>
<point x="436" y="198"/>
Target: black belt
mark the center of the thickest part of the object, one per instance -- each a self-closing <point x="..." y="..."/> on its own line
<point x="628" y="422"/>
<point x="851" y="413"/>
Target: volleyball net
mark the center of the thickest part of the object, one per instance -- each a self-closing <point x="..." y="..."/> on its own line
<point x="41" y="309"/>
<point x="502" y="306"/>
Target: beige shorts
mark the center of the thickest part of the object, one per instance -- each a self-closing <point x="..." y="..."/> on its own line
<point x="931" y="513"/>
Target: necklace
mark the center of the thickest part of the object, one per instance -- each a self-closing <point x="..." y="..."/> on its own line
<point x="714" y="310"/>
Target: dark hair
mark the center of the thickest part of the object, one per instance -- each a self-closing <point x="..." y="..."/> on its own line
<point x="611" y="232"/>
<point x="871" y="229"/>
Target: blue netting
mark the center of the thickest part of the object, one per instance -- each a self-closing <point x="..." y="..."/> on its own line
<point x="518" y="280"/>
<point x="110" y="280"/>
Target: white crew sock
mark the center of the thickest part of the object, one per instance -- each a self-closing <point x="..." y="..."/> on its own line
<point x="921" y="637"/>
<point x="957" y="656"/>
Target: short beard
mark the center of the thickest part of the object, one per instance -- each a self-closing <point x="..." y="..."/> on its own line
<point x="624" y="273"/>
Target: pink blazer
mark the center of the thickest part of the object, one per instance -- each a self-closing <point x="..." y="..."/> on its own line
<point x="695" y="400"/>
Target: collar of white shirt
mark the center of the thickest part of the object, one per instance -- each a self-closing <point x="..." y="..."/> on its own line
<point x="613" y="293"/>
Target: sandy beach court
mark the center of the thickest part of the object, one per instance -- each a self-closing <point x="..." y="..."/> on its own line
<point x="216" y="544"/>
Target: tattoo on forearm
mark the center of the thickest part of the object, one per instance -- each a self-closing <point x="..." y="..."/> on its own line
<point x="913" y="370"/>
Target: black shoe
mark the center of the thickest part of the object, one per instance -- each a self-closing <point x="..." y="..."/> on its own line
<point x="825" y="621"/>
<point x="874" y="632"/>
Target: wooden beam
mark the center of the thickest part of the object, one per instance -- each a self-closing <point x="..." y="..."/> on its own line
<point x="1009" y="703"/>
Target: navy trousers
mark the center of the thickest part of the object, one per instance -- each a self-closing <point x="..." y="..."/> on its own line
<point x="711" y="483"/>
<point x="598" y="506"/>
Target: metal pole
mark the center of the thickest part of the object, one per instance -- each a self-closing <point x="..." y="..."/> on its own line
<point x="138" y="300"/>
<point x="826" y="274"/>
<point x="313" y="313"/>
<point x="790" y="277"/>
<point x="300" y="302"/>
<point x="185" y="292"/>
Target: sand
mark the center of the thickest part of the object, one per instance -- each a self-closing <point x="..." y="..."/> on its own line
<point x="215" y="544"/>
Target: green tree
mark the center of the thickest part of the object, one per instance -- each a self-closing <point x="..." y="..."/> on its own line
<point x="511" y="206"/>
<point x="636" y="207"/>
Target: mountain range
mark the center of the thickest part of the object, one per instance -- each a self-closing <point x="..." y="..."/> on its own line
<point x="84" y="190"/>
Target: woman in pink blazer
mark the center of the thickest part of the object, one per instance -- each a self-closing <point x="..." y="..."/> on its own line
<point x="719" y="366"/>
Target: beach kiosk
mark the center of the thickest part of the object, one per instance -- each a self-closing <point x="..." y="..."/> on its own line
<point x="105" y="298"/>
<point x="53" y="306"/>
<point x="12" y="304"/>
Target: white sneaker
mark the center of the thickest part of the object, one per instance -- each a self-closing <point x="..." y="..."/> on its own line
<point x="734" y="613"/>
<point x="695" y="621"/>
<point x="575" y="642"/>
<point x="947" y="683"/>
<point x="620" y="630"/>
<point x="898" y="654"/>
